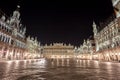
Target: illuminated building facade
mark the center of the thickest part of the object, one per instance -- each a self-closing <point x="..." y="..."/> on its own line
<point x="116" y="4"/>
<point x="107" y="40"/>
<point x="58" y="50"/>
<point x="86" y="50"/>
<point x="12" y="36"/>
<point x="13" y="43"/>
<point x="33" y="48"/>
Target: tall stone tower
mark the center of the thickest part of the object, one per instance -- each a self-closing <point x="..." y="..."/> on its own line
<point x="15" y="19"/>
<point x="95" y="31"/>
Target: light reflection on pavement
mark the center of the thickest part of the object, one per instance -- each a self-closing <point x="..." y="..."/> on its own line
<point x="59" y="69"/>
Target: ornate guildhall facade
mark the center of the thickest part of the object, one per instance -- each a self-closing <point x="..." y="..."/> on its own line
<point x="58" y="50"/>
<point x="12" y="37"/>
<point x="107" y="40"/>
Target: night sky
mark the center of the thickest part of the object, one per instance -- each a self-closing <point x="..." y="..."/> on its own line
<point x="59" y="21"/>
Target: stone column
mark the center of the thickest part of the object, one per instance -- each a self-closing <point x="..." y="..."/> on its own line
<point x="2" y="51"/>
<point x="21" y="55"/>
<point x="7" y="53"/>
<point x="109" y="56"/>
<point x="10" y="40"/>
<point x="11" y="54"/>
<point x="15" y="56"/>
<point x="18" y="55"/>
<point x="118" y="53"/>
<point x="4" y="39"/>
<point x="108" y="52"/>
<point x="1" y="37"/>
<point x="103" y="55"/>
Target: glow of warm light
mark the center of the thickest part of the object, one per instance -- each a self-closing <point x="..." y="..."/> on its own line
<point x="62" y="57"/>
<point x="25" y="62"/>
<point x="96" y="64"/>
<point x="79" y="56"/>
<point x="91" y="57"/>
<point x="108" y="63"/>
<point x="10" y="53"/>
<point x="67" y="62"/>
<point x="25" y="54"/>
<point x="67" y="56"/>
<point x="42" y="61"/>
<point x="18" y="54"/>
<point x="9" y="64"/>
<point x="38" y="55"/>
<point x="53" y="56"/>
<point x="58" y="62"/>
<point x="95" y="56"/>
<point x="107" y="54"/>
<point x="83" y="56"/>
<point x="96" y="61"/>
<point x="16" y="63"/>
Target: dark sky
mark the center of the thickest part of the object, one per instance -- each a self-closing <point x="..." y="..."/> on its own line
<point x="59" y="21"/>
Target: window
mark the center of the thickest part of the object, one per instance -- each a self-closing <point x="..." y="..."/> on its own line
<point x="12" y="42"/>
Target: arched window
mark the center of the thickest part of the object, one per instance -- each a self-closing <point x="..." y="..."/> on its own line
<point x="12" y="42"/>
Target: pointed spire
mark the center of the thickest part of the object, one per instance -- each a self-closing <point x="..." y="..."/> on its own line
<point x="24" y="30"/>
<point x="84" y="42"/>
<point x="94" y="28"/>
<point x="18" y="6"/>
<point x="94" y="23"/>
<point x="36" y="39"/>
<point x="3" y="17"/>
<point x="16" y="13"/>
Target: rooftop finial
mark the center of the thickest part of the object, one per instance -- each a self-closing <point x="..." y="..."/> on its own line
<point x="18" y="6"/>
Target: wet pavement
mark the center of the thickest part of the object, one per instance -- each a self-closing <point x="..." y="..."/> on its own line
<point x="59" y="69"/>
